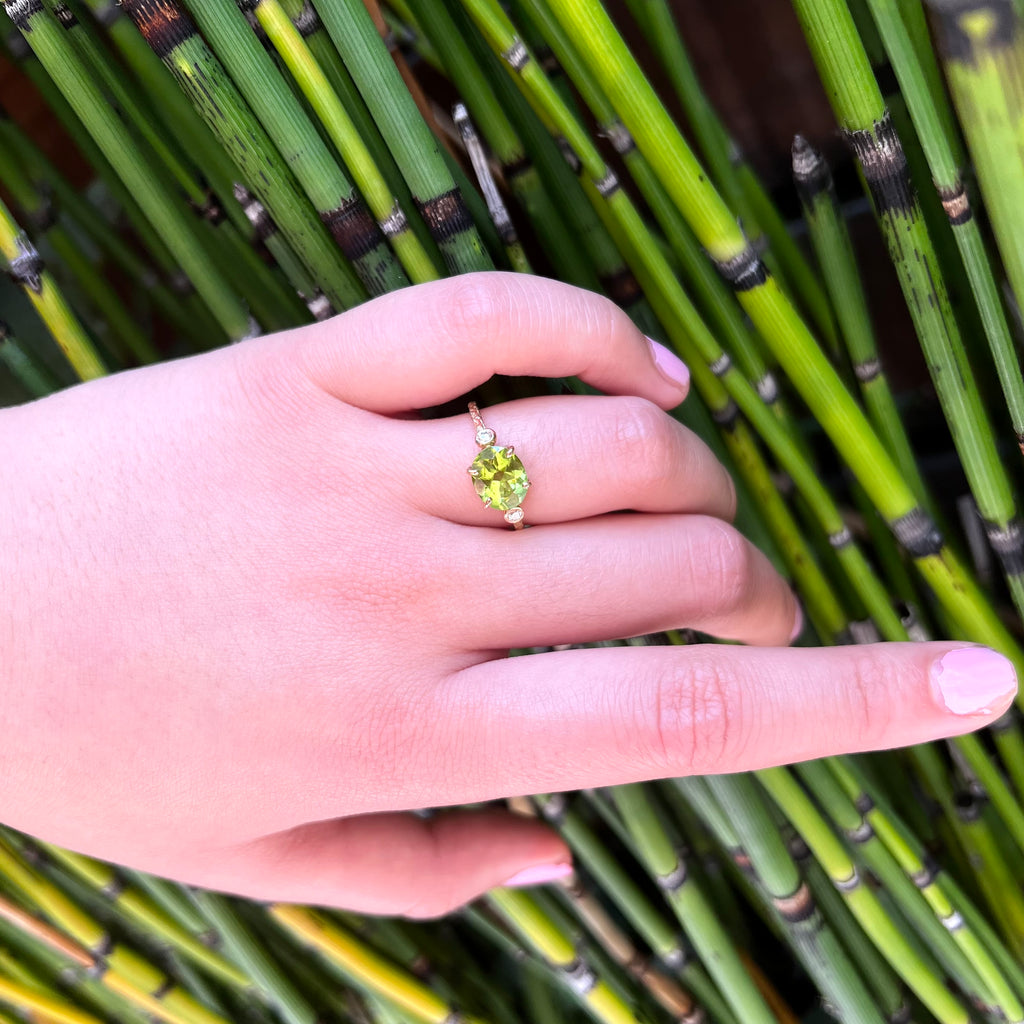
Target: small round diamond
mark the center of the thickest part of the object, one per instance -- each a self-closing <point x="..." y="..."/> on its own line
<point x="485" y="436"/>
<point x="514" y="515"/>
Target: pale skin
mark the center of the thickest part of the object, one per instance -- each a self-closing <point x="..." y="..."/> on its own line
<point x="252" y="611"/>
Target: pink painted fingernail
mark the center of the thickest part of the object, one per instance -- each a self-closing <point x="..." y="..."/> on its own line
<point x="669" y="365"/>
<point x="798" y="626"/>
<point x="539" y="874"/>
<point x="975" y="681"/>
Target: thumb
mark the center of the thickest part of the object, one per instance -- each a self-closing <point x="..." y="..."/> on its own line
<point x="395" y="863"/>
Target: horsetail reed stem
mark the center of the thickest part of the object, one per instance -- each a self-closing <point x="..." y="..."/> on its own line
<point x="26" y="268"/>
<point x="48" y="42"/>
<point x="777" y="320"/>
<point x="35" y="378"/>
<point x="406" y="133"/>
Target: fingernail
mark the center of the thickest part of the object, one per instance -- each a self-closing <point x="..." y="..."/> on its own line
<point x="975" y="681"/>
<point x="669" y="365"/>
<point x="539" y="874"/>
<point x="798" y="626"/>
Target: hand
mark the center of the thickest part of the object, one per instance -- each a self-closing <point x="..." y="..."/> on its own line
<point x="251" y="610"/>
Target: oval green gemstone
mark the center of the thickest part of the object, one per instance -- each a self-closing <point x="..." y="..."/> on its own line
<point x="499" y="475"/>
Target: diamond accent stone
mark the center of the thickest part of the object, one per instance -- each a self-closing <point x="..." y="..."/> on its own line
<point x="485" y="436"/>
<point x="514" y="515"/>
<point x="500" y="479"/>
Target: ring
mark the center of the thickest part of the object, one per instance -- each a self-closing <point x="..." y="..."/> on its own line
<point x="498" y="474"/>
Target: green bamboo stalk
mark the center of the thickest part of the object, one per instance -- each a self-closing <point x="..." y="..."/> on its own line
<point x="415" y="150"/>
<point x="860" y="109"/>
<point x="944" y="160"/>
<point x="47" y="40"/>
<point x="333" y="195"/>
<point x="861" y="900"/>
<point x="174" y="39"/>
<point x="834" y="251"/>
<point x="379" y="197"/>
<point x="26" y="268"/>
<point x="35" y="378"/>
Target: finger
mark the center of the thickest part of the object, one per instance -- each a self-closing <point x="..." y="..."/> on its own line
<point x="422" y="346"/>
<point x="583" y="455"/>
<point x="619" y="576"/>
<point x="602" y="717"/>
<point x="394" y="863"/>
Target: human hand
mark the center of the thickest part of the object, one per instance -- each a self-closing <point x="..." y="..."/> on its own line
<point x="250" y="611"/>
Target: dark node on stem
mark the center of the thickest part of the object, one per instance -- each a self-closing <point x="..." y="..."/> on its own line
<point x="868" y="370"/>
<point x="180" y="284"/>
<point x="721" y="366"/>
<point x="796" y="908"/>
<point x="162" y="23"/>
<point x="768" y="388"/>
<point x="742" y="860"/>
<point x="107" y="14"/>
<point x="968" y="806"/>
<point x="163" y="989"/>
<point x="210" y="209"/>
<point x="21" y="12"/>
<point x="917" y="533"/>
<point x="608" y="185"/>
<point x="320" y="307"/>
<point x="210" y="938"/>
<point x="798" y="849"/>
<point x="65" y="15"/>
<point x="395" y="222"/>
<point x="744" y="271"/>
<point x="1008" y="544"/>
<point x="307" y="21"/>
<point x="622" y="287"/>
<point x="446" y="215"/>
<point x="247" y="6"/>
<point x="5" y="331"/>
<point x="864" y="803"/>
<point x="618" y="135"/>
<point x="848" y="884"/>
<point x="677" y="958"/>
<point x="902" y="1015"/>
<point x="256" y="213"/>
<point x="675" y="879"/>
<point x="841" y="538"/>
<point x="554" y="808"/>
<point x="864" y="631"/>
<point x="954" y="922"/>
<point x="956" y="204"/>
<point x="884" y="163"/>
<point x="811" y="173"/>
<point x="580" y="977"/>
<point x="862" y="833"/>
<point x="515" y="168"/>
<point x="927" y="875"/>
<point x="959" y="44"/>
<point x="115" y="887"/>
<point x="727" y="416"/>
<point x="352" y="226"/>
<point x="516" y="56"/>
<point x="570" y="154"/>
<point x="99" y="953"/>
<point x="27" y="267"/>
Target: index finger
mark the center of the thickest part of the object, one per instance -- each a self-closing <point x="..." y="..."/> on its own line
<point x="423" y="346"/>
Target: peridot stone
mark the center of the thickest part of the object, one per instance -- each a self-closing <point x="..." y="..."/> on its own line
<point x="499" y="475"/>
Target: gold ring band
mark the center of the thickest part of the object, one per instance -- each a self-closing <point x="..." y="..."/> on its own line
<point x="498" y="474"/>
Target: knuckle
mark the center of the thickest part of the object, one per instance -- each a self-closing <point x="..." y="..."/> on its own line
<point x="644" y="442"/>
<point x="722" y="559"/>
<point x="860" y="712"/>
<point x="473" y="305"/>
<point x="692" y="722"/>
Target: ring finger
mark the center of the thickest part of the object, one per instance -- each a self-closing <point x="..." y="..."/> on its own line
<point x="582" y="455"/>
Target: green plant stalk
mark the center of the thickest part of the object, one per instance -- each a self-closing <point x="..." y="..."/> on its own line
<point x="778" y="322"/>
<point x="174" y="38"/>
<point x="695" y="914"/>
<point x="408" y="137"/>
<point x="47" y="41"/>
<point x="335" y="198"/>
<point x="859" y="897"/>
<point x="928" y="879"/>
<point x="730" y="171"/>
<point x="834" y="251"/>
<point x="33" y="377"/>
<point x="945" y="161"/>
<point x="790" y="898"/>
<point x="384" y="206"/>
<point x="27" y="269"/>
<point x="860" y="109"/>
